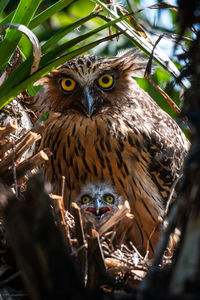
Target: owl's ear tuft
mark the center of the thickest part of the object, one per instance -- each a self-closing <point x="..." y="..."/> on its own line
<point x="134" y="62"/>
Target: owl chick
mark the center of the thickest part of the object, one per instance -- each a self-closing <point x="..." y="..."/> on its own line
<point x="108" y="129"/>
<point x="98" y="202"/>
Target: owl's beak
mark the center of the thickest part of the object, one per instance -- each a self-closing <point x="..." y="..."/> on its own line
<point x="98" y="205"/>
<point x="98" y="210"/>
<point x="88" y="102"/>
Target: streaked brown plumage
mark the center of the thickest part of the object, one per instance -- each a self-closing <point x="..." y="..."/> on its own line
<point x="113" y="132"/>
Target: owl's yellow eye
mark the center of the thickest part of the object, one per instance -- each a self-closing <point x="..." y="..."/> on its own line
<point x="109" y="198"/>
<point x="85" y="199"/>
<point x="68" y="84"/>
<point x="106" y="81"/>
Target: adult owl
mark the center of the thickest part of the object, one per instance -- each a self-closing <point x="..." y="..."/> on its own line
<point x="110" y="130"/>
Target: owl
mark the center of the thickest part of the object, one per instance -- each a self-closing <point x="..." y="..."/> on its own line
<point x="98" y="202"/>
<point x="109" y="130"/>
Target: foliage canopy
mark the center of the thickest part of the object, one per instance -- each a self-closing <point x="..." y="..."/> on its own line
<point x="69" y="28"/>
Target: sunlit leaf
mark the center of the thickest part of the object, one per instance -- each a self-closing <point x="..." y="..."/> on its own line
<point x="159" y="55"/>
<point x="23" y="15"/>
<point x="3" y="4"/>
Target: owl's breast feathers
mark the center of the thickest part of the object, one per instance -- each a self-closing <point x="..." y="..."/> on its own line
<point x="140" y="157"/>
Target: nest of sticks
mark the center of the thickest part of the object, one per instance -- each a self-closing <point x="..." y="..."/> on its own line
<point x="48" y="252"/>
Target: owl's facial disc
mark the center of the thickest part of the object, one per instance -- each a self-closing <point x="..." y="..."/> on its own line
<point x="97" y="207"/>
<point x="98" y="202"/>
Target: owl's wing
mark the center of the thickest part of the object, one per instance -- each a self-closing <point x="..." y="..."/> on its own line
<point x="167" y="147"/>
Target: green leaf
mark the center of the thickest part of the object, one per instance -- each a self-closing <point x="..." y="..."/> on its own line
<point x="47" y="13"/>
<point x="64" y="31"/>
<point x="65" y="46"/>
<point x="3" y="4"/>
<point x="43" y="16"/>
<point x="159" y="55"/>
<point x="23" y="15"/>
<point x="7" y="19"/>
<point x="34" y="41"/>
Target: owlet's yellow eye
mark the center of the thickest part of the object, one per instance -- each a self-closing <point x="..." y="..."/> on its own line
<point x="109" y="198"/>
<point x="85" y="199"/>
<point x="68" y="84"/>
<point x="106" y="81"/>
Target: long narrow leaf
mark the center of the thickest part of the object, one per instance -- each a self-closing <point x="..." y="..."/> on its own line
<point x="64" y="31"/>
<point x="65" y="46"/>
<point x="34" y="41"/>
<point x="43" y="16"/>
<point x="159" y="56"/>
<point x="7" y="19"/>
<point x="3" y="4"/>
<point x="47" y="13"/>
<point x="7" y="94"/>
<point x="23" y="15"/>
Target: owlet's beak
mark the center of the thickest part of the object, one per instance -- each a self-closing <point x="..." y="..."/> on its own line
<point x="98" y="210"/>
<point x="98" y="205"/>
<point x="88" y="102"/>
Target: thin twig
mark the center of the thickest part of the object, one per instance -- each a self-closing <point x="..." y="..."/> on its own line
<point x="14" y="171"/>
<point x="171" y="194"/>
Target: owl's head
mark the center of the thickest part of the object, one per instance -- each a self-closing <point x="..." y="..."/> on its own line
<point x="98" y="202"/>
<point x="90" y="85"/>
